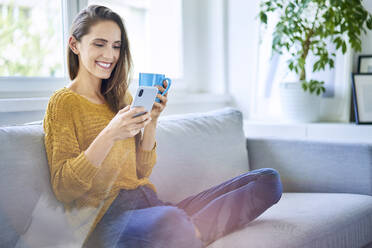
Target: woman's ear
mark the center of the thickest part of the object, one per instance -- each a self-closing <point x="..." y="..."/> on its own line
<point x="72" y="42"/>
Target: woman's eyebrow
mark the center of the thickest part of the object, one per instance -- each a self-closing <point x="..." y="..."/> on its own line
<point x="103" y="40"/>
<point x="100" y="39"/>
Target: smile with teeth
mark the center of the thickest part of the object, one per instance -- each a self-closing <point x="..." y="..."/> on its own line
<point x="104" y="65"/>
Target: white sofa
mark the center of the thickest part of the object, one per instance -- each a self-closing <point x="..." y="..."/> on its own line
<point x="328" y="186"/>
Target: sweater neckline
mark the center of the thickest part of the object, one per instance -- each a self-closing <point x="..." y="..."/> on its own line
<point x="86" y="99"/>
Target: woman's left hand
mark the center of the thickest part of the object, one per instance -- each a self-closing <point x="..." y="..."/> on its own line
<point x="159" y="107"/>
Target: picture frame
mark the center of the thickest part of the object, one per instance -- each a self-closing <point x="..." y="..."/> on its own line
<point x="365" y="63"/>
<point x="362" y="97"/>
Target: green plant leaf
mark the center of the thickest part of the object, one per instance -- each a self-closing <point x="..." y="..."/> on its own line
<point x="341" y="21"/>
<point x="369" y="23"/>
<point x="263" y="17"/>
<point x="331" y="63"/>
<point x="304" y="86"/>
<point x="344" y="47"/>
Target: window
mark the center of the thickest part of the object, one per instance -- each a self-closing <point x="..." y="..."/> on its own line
<point x="31" y="39"/>
<point x="182" y="39"/>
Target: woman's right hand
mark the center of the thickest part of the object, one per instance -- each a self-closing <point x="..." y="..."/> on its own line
<point x="124" y="125"/>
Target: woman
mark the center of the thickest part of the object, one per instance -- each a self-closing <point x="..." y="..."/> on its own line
<point x="100" y="161"/>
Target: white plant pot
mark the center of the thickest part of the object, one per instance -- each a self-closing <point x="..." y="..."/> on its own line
<point x="298" y="105"/>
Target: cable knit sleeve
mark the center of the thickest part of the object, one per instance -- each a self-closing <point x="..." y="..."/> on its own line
<point x="71" y="173"/>
<point x="146" y="161"/>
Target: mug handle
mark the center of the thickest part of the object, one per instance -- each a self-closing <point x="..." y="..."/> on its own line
<point x="169" y="84"/>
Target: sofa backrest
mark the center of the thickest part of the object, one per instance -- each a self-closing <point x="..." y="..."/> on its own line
<point x="195" y="151"/>
<point x="24" y="177"/>
<point x="314" y="165"/>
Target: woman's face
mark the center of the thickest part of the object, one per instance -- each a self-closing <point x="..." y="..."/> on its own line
<point x="99" y="50"/>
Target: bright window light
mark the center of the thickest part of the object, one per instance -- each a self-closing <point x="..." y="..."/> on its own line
<point x="31" y="38"/>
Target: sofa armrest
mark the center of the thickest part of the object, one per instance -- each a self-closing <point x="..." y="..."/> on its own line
<point x="315" y="166"/>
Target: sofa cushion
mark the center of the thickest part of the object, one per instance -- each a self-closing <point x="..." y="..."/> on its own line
<point x="49" y="226"/>
<point x="308" y="220"/>
<point x="198" y="151"/>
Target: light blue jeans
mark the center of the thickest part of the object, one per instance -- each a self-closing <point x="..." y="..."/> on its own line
<point x="138" y="219"/>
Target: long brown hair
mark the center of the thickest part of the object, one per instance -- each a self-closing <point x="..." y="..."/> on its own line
<point x="114" y="88"/>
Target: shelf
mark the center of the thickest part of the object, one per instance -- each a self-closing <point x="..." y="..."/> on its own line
<point x="310" y="131"/>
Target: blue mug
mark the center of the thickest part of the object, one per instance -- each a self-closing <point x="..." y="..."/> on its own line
<point x="152" y="79"/>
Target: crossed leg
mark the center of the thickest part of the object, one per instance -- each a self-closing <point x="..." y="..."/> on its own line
<point x="227" y="207"/>
<point x="213" y="213"/>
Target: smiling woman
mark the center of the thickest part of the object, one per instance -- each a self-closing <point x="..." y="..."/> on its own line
<point x="98" y="56"/>
<point x="80" y="133"/>
<point x="98" y="53"/>
<point x="100" y="162"/>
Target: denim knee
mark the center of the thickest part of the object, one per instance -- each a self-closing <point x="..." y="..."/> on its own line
<point x="158" y="227"/>
<point x="271" y="185"/>
<point x="172" y="216"/>
<point x="175" y="227"/>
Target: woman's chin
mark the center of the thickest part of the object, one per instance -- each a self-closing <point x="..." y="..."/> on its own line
<point x="104" y="76"/>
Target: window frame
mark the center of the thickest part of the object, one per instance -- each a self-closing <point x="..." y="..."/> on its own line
<point x="18" y="94"/>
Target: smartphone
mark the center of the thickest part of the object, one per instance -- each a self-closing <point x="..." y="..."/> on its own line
<point x="145" y="97"/>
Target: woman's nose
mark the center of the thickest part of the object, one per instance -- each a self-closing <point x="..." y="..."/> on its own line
<point x="109" y="53"/>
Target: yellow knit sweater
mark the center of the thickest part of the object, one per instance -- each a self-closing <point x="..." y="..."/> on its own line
<point x="71" y="123"/>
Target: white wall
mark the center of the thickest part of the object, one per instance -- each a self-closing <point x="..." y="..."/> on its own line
<point x="366" y="39"/>
<point x="204" y="58"/>
<point x="366" y="49"/>
<point x="242" y="50"/>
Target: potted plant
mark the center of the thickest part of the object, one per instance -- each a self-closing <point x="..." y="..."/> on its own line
<point x="309" y="26"/>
